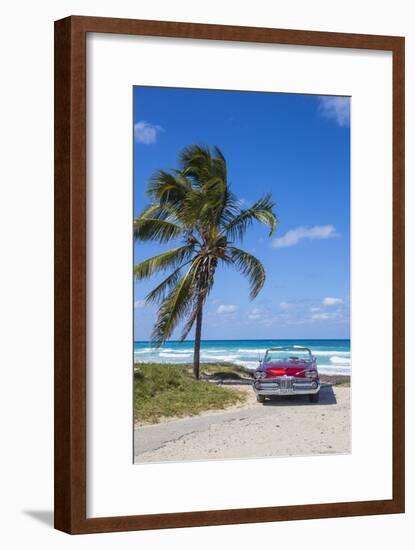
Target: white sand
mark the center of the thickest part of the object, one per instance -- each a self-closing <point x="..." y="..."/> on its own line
<point x="287" y="426"/>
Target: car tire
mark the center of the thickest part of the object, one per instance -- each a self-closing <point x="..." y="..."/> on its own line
<point x="314" y="397"/>
<point x="260" y="398"/>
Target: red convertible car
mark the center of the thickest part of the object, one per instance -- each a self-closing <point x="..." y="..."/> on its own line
<point x="288" y="370"/>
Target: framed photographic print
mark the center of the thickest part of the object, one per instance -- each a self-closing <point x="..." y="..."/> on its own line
<point x="229" y="275"/>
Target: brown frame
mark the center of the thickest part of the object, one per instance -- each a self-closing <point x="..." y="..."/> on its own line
<point x="70" y="274"/>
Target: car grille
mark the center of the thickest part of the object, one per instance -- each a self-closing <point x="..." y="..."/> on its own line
<point x="286" y="384"/>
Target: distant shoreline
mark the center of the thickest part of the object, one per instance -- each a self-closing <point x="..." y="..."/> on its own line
<point x="249" y="340"/>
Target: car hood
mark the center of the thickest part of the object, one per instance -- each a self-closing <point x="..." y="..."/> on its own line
<point x="281" y="368"/>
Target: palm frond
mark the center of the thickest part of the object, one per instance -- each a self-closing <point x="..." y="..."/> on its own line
<point x="195" y="162"/>
<point x="219" y="154"/>
<point x="261" y="211"/>
<point x="250" y="267"/>
<point x="191" y="207"/>
<point x="231" y="208"/>
<point x="198" y="163"/>
<point x="190" y="321"/>
<point x="167" y="260"/>
<point x="158" y="294"/>
<point x="204" y="279"/>
<point x="154" y="229"/>
<point x="160" y="212"/>
<point x="166" y="187"/>
<point x="174" y="307"/>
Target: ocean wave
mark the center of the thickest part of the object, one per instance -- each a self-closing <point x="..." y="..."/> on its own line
<point x="252" y="350"/>
<point x="319" y="353"/>
<point x="176" y="352"/>
<point x="157" y="350"/>
<point x="219" y="357"/>
<point x="175" y="355"/>
<point x="325" y="369"/>
<point x="214" y="351"/>
<point x="340" y="360"/>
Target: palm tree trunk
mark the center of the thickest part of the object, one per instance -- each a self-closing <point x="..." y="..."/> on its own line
<point x="198" y="338"/>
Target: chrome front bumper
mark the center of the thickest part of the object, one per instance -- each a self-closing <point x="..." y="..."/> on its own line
<point x="286" y="385"/>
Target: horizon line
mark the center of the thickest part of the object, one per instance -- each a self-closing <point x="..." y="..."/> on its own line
<point x="248" y="339"/>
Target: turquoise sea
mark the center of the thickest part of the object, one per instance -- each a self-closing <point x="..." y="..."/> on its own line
<point x="333" y="356"/>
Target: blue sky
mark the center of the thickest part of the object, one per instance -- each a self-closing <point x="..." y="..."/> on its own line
<point x="296" y="147"/>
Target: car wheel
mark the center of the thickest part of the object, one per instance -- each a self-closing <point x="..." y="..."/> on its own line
<point x="260" y="398"/>
<point x="314" y="397"/>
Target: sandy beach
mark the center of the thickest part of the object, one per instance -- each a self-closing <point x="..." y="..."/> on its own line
<point x="285" y="426"/>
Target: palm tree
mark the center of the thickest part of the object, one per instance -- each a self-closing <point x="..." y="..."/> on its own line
<point x="195" y="206"/>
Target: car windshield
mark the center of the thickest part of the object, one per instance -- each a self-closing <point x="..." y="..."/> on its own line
<point x="288" y="355"/>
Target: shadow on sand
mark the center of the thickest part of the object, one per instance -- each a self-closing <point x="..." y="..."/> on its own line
<point x="327" y="397"/>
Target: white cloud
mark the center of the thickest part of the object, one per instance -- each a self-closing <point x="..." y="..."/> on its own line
<point x="314" y="309"/>
<point x="294" y="236"/>
<point x="285" y="305"/>
<point x="267" y="322"/>
<point x="336" y="108"/>
<point x="321" y="316"/>
<point x="332" y="301"/>
<point x="224" y="309"/>
<point x="255" y="314"/>
<point x="139" y="303"/>
<point x="146" y="133"/>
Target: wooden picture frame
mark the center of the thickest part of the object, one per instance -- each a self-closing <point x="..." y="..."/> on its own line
<point x="70" y="274"/>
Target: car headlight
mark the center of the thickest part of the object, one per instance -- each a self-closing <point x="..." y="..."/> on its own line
<point x="311" y="374"/>
<point x="259" y="374"/>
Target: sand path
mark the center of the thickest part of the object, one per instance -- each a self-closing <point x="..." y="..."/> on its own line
<point x="286" y="426"/>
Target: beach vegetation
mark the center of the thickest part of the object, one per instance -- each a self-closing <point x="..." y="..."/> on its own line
<point x="170" y="390"/>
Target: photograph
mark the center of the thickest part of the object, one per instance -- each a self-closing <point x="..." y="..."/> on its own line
<point x="241" y="274"/>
